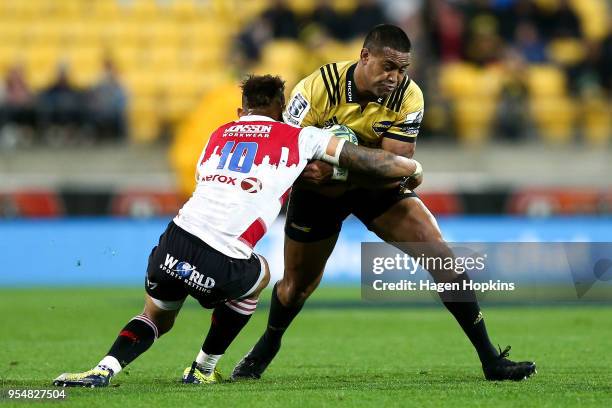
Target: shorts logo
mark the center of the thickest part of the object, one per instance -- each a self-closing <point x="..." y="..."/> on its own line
<point x="184" y="269"/>
<point x="187" y="273"/>
<point x="251" y="185"/>
<point x="151" y="285"/>
<point x="301" y="228"/>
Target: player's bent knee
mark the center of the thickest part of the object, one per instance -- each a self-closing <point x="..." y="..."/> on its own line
<point x="266" y="273"/>
<point x="408" y="221"/>
<point x="428" y="233"/>
<point x="291" y="295"/>
<point x="163" y="323"/>
<point x="162" y="313"/>
<point x="264" y="278"/>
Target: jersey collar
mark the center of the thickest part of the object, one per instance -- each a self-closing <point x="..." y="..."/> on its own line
<point x="255" y="118"/>
<point x="351" y="88"/>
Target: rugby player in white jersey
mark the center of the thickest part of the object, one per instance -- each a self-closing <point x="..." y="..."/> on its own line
<point x="244" y="176"/>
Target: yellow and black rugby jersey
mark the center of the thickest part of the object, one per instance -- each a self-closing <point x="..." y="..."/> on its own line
<point x="328" y="97"/>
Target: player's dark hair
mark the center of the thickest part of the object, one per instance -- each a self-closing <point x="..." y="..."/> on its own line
<point x="387" y="35"/>
<point x="259" y="91"/>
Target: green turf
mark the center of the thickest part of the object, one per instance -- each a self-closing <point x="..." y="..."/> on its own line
<point x="357" y="356"/>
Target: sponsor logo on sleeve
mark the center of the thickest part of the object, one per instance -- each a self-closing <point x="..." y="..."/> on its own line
<point x="412" y="123"/>
<point x="381" y="127"/>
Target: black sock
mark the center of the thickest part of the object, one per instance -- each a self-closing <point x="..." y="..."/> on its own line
<point x="463" y="305"/>
<point x="279" y="318"/>
<point x="133" y="340"/>
<point x="225" y="325"/>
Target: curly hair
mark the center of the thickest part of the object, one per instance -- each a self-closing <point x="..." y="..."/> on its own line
<point x="260" y="91"/>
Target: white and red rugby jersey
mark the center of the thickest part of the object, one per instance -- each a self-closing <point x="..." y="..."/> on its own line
<point x="244" y="176"/>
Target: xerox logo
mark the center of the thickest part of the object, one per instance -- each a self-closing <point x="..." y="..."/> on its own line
<point x="187" y="273"/>
<point x="219" y="179"/>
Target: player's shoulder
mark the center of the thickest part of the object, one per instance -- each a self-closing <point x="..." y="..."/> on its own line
<point x="326" y="81"/>
<point x="333" y="69"/>
<point x="406" y="97"/>
<point x="414" y="92"/>
<point x="257" y="124"/>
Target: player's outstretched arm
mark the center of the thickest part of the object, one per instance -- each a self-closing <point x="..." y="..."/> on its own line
<point x="374" y="162"/>
<point x="377" y="162"/>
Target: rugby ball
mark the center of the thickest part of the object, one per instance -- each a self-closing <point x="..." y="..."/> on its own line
<point x="344" y="132"/>
<point x="251" y="185"/>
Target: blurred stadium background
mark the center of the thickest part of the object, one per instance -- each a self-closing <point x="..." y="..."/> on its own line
<point x="106" y="104"/>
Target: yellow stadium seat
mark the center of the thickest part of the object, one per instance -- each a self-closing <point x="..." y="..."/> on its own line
<point x="339" y="51"/>
<point x="126" y="57"/>
<point x="85" y="77"/>
<point x="177" y="108"/>
<point x="567" y="51"/>
<point x="303" y="7"/>
<point x="105" y="9"/>
<point x="242" y="12"/>
<point x="491" y="80"/>
<point x="546" y="81"/>
<point x="596" y="120"/>
<point x="282" y="53"/>
<point x="549" y="5"/>
<point x="207" y="32"/>
<point x="40" y="77"/>
<point x="290" y="75"/>
<point x="344" y="6"/>
<point x="458" y="80"/>
<point x="594" y="15"/>
<point x="45" y="31"/>
<point x="554" y="118"/>
<point x="43" y="57"/>
<point x="9" y="55"/>
<point x="141" y="9"/>
<point x="143" y="83"/>
<point x="113" y="31"/>
<point x="196" y="57"/>
<point x="81" y="56"/>
<point x="12" y="31"/>
<point x="185" y="9"/>
<point x="25" y="9"/>
<point x="165" y="34"/>
<point x="473" y="118"/>
<point x="161" y="58"/>
<point x="144" y="118"/>
<point x="68" y="8"/>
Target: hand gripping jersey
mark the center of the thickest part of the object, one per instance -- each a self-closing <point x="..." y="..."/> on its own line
<point x="328" y="96"/>
<point x="244" y="175"/>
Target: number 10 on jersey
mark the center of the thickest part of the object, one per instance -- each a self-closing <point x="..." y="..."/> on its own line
<point x="240" y="158"/>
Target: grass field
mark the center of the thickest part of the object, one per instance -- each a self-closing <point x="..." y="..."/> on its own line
<point x="336" y="353"/>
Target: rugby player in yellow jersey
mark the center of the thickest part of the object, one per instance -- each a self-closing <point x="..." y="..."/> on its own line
<point x="375" y="97"/>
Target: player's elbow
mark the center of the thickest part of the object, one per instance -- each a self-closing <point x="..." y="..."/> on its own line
<point x="405" y="149"/>
<point x="398" y="167"/>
